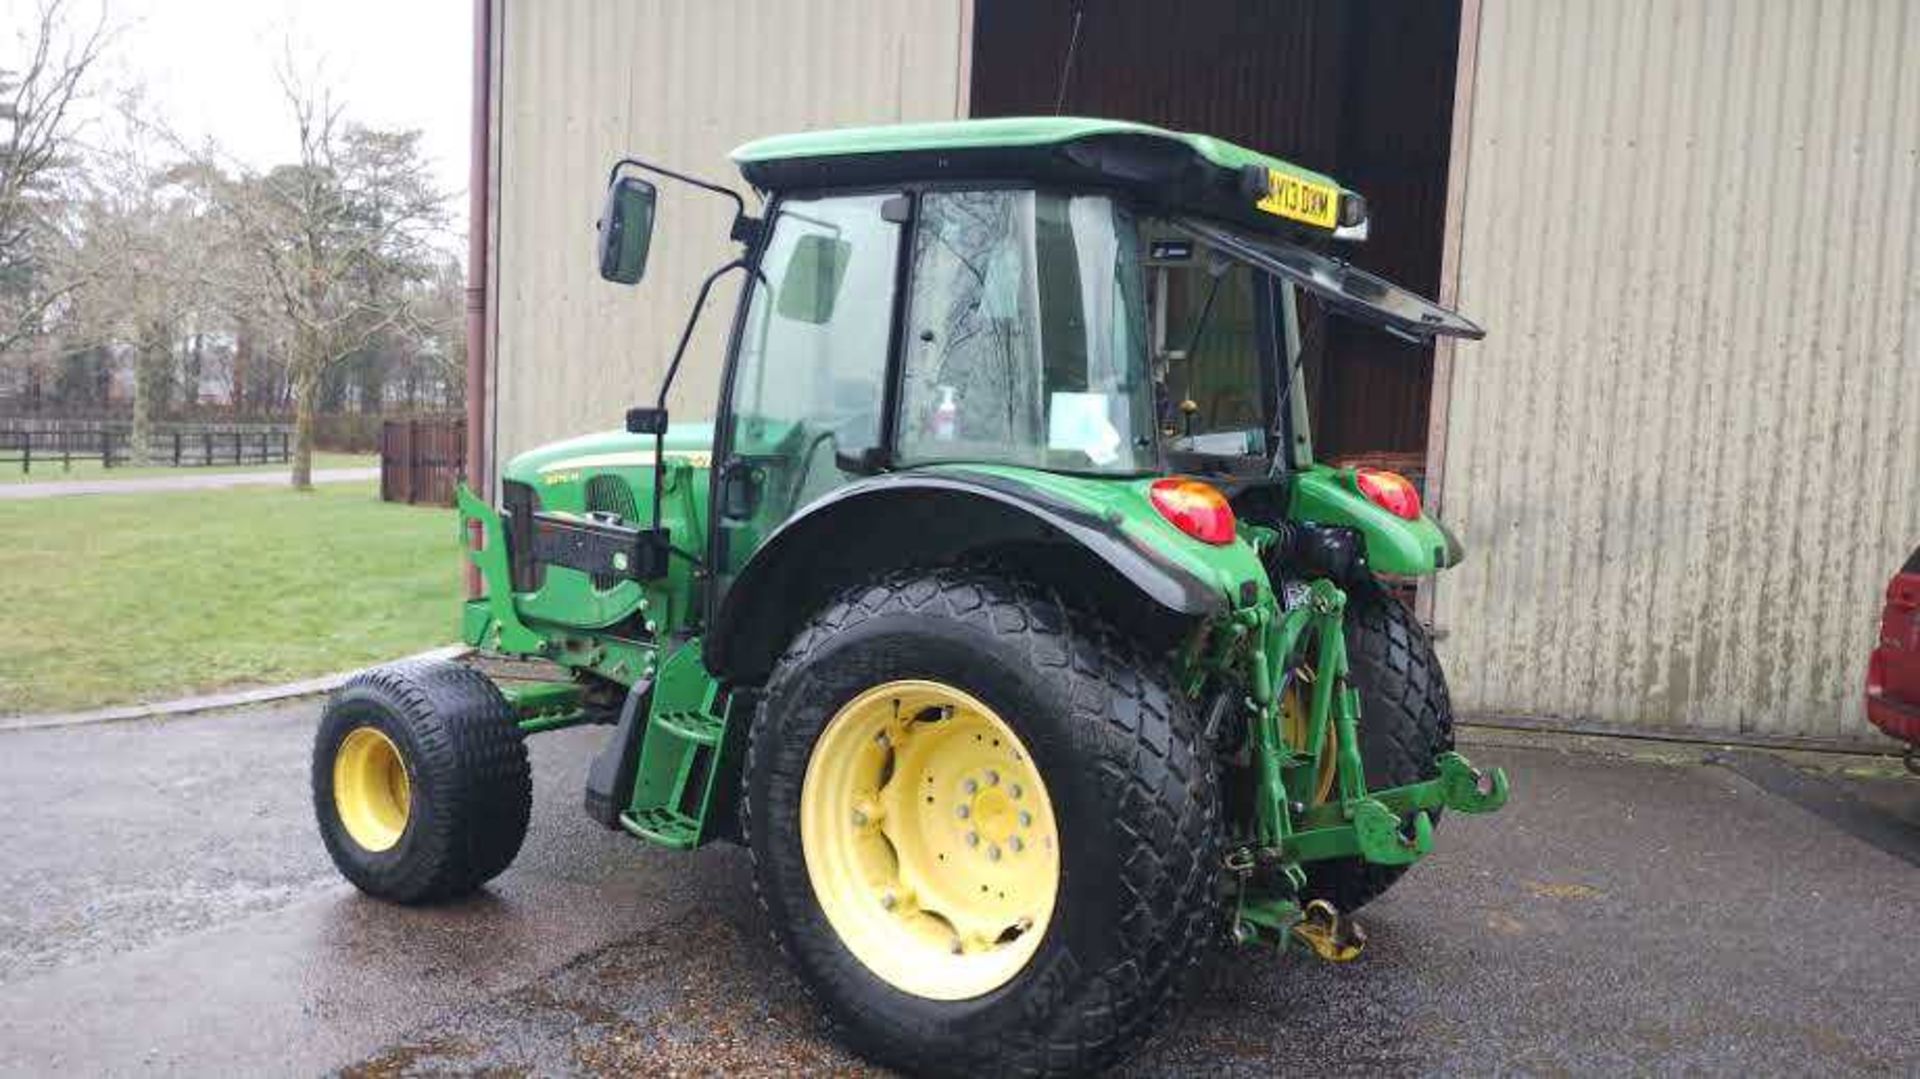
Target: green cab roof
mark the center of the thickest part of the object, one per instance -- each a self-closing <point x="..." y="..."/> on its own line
<point x="1176" y="167"/>
<point x="1001" y="133"/>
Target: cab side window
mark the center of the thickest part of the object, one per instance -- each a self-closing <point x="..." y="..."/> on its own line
<point x="808" y="381"/>
<point x="814" y="355"/>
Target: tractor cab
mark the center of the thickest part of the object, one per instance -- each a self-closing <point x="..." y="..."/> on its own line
<point x="997" y="603"/>
<point x="1083" y="298"/>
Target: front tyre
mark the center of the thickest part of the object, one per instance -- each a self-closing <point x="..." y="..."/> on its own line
<point x="420" y="781"/>
<point x="981" y="826"/>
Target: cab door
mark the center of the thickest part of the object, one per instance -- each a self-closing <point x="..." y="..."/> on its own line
<point x="804" y="409"/>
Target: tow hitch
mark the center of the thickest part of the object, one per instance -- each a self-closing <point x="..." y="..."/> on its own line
<point x="1327" y="934"/>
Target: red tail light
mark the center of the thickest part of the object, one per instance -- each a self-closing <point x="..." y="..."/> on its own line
<point x="1194" y="508"/>
<point x="1390" y="491"/>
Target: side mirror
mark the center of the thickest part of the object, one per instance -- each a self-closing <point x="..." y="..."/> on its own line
<point x="626" y="230"/>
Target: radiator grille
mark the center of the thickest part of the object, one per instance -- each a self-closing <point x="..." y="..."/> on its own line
<point x="607" y="493"/>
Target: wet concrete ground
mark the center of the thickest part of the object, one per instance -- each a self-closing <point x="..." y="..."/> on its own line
<point x="166" y="907"/>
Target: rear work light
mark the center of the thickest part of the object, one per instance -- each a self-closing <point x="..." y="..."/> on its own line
<point x="1196" y="508"/>
<point x="1389" y="490"/>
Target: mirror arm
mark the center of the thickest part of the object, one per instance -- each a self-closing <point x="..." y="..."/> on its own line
<point x="745" y="229"/>
<point x="673" y="369"/>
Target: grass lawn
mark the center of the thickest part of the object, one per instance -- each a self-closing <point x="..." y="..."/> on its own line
<point x="121" y="598"/>
<point x="49" y="471"/>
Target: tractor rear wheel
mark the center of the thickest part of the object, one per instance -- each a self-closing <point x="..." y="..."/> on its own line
<point x="982" y="826"/>
<point x="420" y="781"/>
<point x="1406" y="720"/>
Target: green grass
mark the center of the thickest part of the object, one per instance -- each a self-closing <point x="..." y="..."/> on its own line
<point x="110" y="600"/>
<point x="49" y="470"/>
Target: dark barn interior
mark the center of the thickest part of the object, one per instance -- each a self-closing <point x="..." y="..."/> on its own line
<point x="1359" y="89"/>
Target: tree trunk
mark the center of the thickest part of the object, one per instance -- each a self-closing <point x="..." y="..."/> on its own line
<point x="152" y="372"/>
<point x="142" y="404"/>
<point x="242" y="368"/>
<point x="306" y="390"/>
<point x="196" y="356"/>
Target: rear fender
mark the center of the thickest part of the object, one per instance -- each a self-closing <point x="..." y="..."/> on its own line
<point x="1416" y="548"/>
<point x="1113" y="561"/>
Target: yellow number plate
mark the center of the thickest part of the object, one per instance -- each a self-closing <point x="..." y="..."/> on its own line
<point x="1301" y="200"/>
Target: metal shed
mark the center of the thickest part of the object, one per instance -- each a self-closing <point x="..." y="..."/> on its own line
<point x="1684" y="460"/>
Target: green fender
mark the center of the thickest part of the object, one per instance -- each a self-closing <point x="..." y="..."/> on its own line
<point x="1416" y="548"/>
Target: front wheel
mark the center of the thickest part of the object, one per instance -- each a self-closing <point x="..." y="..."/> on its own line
<point x="981" y="826"/>
<point x="420" y="781"/>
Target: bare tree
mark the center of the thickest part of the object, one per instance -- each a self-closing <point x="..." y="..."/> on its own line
<point x="332" y="242"/>
<point x="148" y="270"/>
<point x="37" y="101"/>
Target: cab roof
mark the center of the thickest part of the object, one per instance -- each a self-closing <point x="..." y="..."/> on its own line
<point x="1176" y="169"/>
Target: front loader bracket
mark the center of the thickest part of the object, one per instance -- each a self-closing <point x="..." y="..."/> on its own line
<point x="509" y="633"/>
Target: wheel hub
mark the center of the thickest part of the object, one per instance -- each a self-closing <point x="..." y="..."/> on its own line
<point x="930" y="839"/>
<point x="371" y="789"/>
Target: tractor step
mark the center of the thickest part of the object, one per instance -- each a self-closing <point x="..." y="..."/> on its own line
<point x="698" y="727"/>
<point x="681" y="763"/>
<point x="676" y="778"/>
<point x="664" y="826"/>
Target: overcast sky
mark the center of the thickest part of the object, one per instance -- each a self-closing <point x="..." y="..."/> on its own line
<point x="208" y="67"/>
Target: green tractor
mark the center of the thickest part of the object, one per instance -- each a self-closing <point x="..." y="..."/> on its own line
<point x="1001" y="611"/>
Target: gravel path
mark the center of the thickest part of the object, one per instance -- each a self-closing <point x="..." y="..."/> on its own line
<point x="168" y="908"/>
<point x="195" y="482"/>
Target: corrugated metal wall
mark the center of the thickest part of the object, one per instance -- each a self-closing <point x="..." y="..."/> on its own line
<point x="581" y="82"/>
<point x="1687" y="456"/>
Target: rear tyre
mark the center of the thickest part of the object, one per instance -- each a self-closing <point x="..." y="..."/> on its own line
<point x="420" y="781"/>
<point x="1406" y="719"/>
<point x="982" y="827"/>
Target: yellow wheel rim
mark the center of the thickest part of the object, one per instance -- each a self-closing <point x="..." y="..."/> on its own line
<point x="1293" y="727"/>
<point x="371" y="791"/>
<point x="930" y="840"/>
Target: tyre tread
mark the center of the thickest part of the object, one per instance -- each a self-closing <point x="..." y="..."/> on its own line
<point x="1149" y="757"/>
<point x="471" y="758"/>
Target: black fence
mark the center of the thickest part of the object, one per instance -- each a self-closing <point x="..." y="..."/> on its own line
<point x="49" y="446"/>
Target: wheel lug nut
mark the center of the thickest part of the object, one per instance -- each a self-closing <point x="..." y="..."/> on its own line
<point x="1014" y="844"/>
<point x="993" y="778"/>
<point x="1014" y="790"/>
<point x="859" y="819"/>
<point x="969" y="786"/>
<point x="993" y="853"/>
<point x="889" y="901"/>
<point x="973" y="839"/>
<point x="1026" y="819"/>
<point x="963" y="811"/>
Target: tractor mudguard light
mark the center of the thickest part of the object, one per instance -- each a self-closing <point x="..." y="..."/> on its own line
<point x="1000" y="608"/>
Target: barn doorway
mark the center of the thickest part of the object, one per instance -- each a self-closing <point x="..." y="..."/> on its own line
<point x="1361" y="90"/>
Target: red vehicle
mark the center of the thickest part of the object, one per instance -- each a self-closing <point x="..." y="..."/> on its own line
<point x="1893" y="672"/>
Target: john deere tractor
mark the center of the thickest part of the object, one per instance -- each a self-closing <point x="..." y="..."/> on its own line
<point x="1000" y="611"/>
